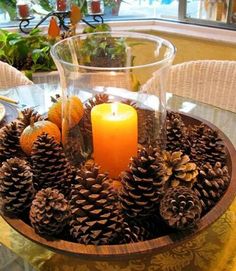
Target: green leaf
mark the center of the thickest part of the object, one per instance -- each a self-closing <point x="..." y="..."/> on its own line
<point x="28" y="74"/>
<point x="36" y="55"/>
<point x="2" y="53"/>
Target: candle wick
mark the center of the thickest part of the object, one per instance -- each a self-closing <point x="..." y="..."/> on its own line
<point x="113" y="114"/>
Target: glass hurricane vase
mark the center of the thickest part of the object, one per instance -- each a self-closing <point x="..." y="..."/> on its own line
<point x="119" y="77"/>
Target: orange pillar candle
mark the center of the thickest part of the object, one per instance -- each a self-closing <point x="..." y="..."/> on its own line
<point x="115" y="136"/>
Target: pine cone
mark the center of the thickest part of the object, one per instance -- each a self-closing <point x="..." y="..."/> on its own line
<point x="146" y="127"/>
<point x="131" y="233"/>
<point x="207" y="146"/>
<point x="143" y="184"/>
<point x="211" y="184"/>
<point x="10" y="144"/>
<point x="146" y="124"/>
<point x="180" y="208"/>
<point x="179" y="169"/>
<point x="176" y="133"/>
<point x="96" y="217"/>
<point x="49" y="212"/>
<point x="75" y="149"/>
<point x="28" y="115"/>
<point x="16" y="186"/>
<point x="50" y="166"/>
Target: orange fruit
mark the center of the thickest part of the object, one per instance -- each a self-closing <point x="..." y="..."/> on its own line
<point x="74" y="112"/>
<point x="31" y="132"/>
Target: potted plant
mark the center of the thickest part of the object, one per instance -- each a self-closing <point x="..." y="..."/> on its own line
<point x="103" y="50"/>
<point x="30" y="53"/>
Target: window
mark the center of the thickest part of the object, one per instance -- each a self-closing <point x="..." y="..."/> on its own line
<point x="219" y="13"/>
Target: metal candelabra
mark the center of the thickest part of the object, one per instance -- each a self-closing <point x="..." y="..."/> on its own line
<point x="61" y="15"/>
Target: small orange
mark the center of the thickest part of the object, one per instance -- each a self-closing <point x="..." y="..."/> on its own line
<point x="31" y="132"/>
<point x="74" y="111"/>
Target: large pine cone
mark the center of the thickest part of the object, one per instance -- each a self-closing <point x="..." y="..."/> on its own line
<point x="50" y="166"/>
<point x="10" y="144"/>
<point x="176" y="133"/>
<point x="49" y="212"/>
<point x="96" y="218"/>
<point x="143" y="184"/>
<point x="179" y="169"/>
<point x="180" y="208"/>
<point x="206" y="146"/>
<point x="211" y="184"/>
<point x="16" y="186"/>
<point x="29" y="115"/>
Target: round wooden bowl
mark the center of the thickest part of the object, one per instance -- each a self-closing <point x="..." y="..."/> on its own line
<point x="150" y="246"/>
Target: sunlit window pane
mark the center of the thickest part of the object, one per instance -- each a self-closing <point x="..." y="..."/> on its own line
<point x="214" y="10"/>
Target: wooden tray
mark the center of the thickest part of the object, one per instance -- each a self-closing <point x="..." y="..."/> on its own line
<point x="151" y="246"/>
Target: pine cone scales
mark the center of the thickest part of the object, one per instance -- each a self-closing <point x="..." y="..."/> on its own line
<point x="132" y="233"/>
<point x="180" y="208"/>
<point x="211" y="185"/>
<point x="10" y="145"/>
<point x="28" y="115"/>
<point x="50" y="166"/>
<point x="49" y="212"/>
<point x="143" y="185"/>
<point x="207" y="146"/>
<point x="16" y="186"/>
<point x="146" y="127"/>
<point x="176" y="133"/>
<point x="179" y="169"/>
<point x="96" y="218"/>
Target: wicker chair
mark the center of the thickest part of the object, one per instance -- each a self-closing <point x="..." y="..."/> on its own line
<point x="11" y="77"/>
<point x="209" y="81"/>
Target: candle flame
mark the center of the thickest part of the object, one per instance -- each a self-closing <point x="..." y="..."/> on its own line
<point x="114" y="108"/>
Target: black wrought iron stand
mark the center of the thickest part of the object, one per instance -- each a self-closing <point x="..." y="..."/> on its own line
<point x="61" y="15"/>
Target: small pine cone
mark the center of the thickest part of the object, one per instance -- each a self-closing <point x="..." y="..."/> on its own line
<point x="96" y="218"/>
<point x="143" y="184"/>
<point x="28" y="115"/>
<point x="176" y="133"/>
<point x="146" y="127"/>
<point x="179" y="169"/>
<point x="211" y="184"/>
<point x="75" y="149"/>
<point x="10" y="144"/>
<point x="146" y="124"/>
<point x="49" y="212"/>
<point x="206" y="146"/>
<point x="50" y="166"/>
<point x="16" y="186"/>
<point x="180" y="208"/>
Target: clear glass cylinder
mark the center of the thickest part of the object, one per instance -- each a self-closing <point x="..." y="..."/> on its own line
<point x="120" y="79"/>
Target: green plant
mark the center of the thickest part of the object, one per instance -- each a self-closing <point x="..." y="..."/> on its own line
<point x="102" y="50"/>
<point x="30" y="52"/>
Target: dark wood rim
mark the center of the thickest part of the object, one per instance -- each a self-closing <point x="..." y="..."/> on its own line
<point x="150" y="246"/>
